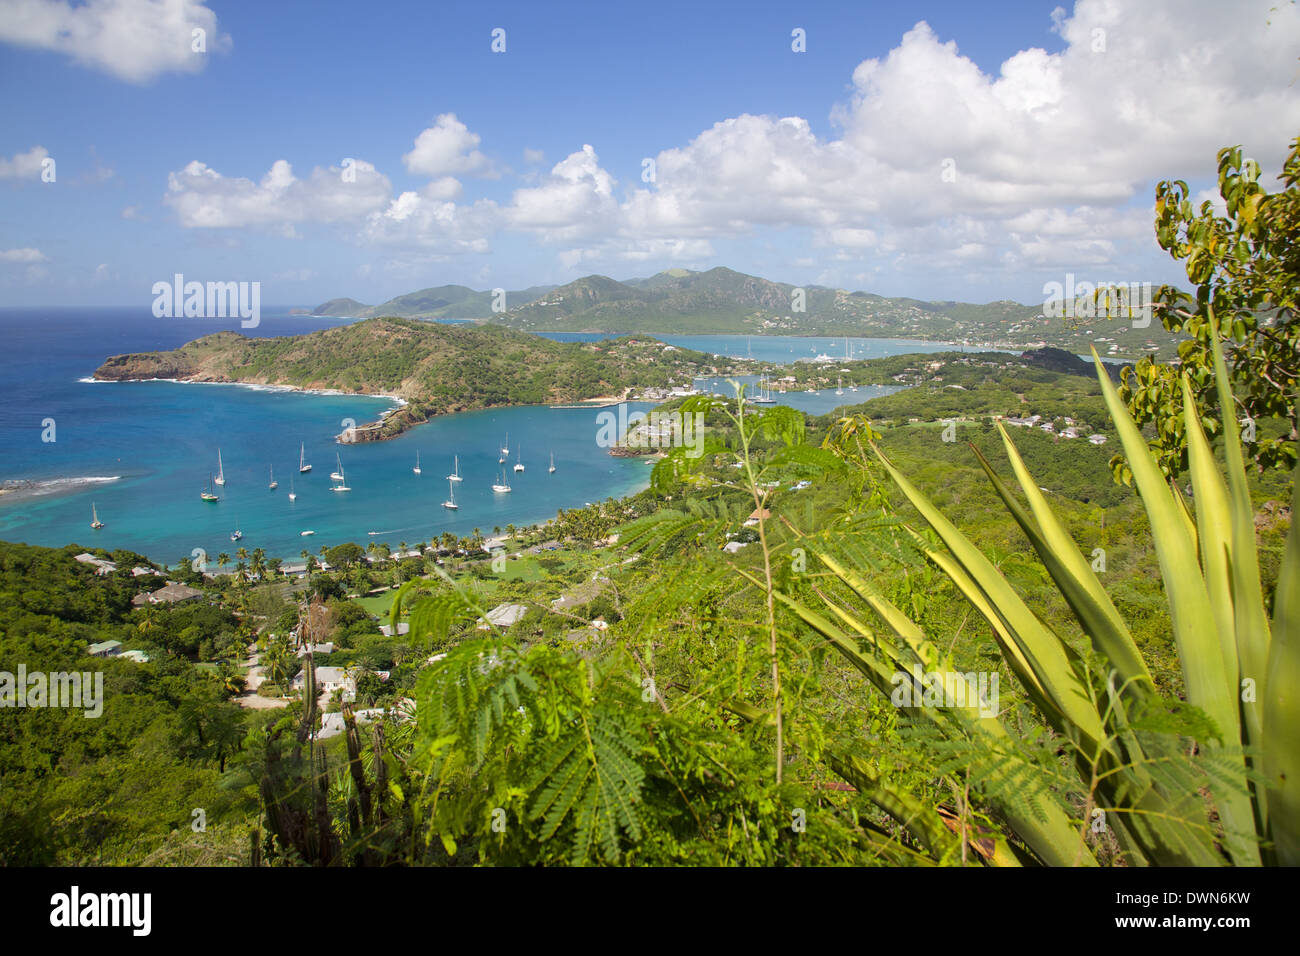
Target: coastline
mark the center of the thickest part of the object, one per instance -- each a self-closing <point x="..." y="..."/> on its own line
<point x="397" y="400"/>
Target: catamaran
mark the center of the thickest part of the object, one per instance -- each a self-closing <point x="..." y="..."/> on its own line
<point x="337" y="475"/>
<point x="302" y="459"/>
<point x="221" y="474"/>
<point x="94" y="518"/>
<point x="236" y="534"/>
<point x="342" y="482"/>
<point x="274" y="484"/>
<point x="292" y="493"/>
<point x="519" y="465"/>
<point x="552" y="468"/>
<point x="455" y="472"/>
<point x="450" y="503"/>
<point x="207" y="494"/>
<point x="501" y="488"/>
<point x="416" y="469"/>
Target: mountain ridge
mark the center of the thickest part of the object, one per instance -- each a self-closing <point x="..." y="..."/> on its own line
<point x="722" y="300"/>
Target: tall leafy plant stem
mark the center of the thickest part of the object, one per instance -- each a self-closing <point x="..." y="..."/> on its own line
<point x="739" y="419"/>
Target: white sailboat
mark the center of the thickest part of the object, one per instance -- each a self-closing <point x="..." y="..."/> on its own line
<point x="505" y="449"/>
<point x="236" y="534"/>
<point x="221" y="474"/>
<point x="274" y="484"/>
<point x="342" y="482"/>
<point x="292" y="493"/>
<point x="552" y="468"/>
<point x="839" y="389"/>
<point x="455" y="472"/>
<point x="450" y="503"/>
<point x="337" y="475"/>
<point x="302" y="459"/>
<point x="502" y="487"/>
<point x="763" y="397"/>
<point x="416" y="469"/>
<point x="519" y="465"/>
<point x="94" y="518"/>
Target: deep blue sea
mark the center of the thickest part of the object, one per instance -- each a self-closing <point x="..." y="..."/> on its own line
<point x="153" y="445"/>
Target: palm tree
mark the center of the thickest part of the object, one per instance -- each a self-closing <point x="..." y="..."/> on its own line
<point x="276" y="664"/>
<point x="222" y="558"/>
<point x="231" y="681"/>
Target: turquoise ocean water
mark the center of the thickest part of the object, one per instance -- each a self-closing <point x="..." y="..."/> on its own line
<point x="142" y="452"/>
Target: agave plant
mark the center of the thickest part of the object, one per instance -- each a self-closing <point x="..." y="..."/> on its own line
<point x="1230" y="798"/>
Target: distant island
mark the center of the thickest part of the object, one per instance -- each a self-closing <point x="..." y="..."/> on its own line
<point x="722" y="300"/>
<point x="433" y="369"/>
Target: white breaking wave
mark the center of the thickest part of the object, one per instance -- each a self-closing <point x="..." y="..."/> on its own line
<point x="48" y="486"/>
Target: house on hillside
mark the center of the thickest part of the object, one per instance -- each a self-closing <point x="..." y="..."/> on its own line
<point x="328" y="680"/>
<point x="503" y="615"/>
<point x="105" y="649"/>
<point x="171" y="594"/>
<point x="331" y="725"/>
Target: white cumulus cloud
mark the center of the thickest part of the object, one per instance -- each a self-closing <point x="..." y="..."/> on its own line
<point x="133" y="40"/>
<point x="445" y="148"/>
<point x="203" y="198"/>
<point x="26" y="165"/>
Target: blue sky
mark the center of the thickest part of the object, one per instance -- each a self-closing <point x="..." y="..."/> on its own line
<point x="803" y="167"/>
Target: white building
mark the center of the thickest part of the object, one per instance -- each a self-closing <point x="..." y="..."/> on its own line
<point x="328" y="680"/>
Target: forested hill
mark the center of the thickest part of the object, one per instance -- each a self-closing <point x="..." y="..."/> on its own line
<point x="683" y="301"/>
<point x="435" y="368"/>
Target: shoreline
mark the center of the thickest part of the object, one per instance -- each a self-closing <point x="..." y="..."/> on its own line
<point x="397" y="400"/>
